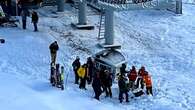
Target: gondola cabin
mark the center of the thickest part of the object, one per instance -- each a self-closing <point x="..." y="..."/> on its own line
<point x="110" y="59"/>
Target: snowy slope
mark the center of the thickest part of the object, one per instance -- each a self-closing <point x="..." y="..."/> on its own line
<point x="160" y="40"/>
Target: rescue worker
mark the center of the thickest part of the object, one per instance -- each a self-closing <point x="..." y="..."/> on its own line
<point x="123" y="88"/>
<point x="123" y="69"/>
<point x="82" y="72"/>
<point x="53" y="50"/>
<point x="132" y="76"/>
<point x="76" y="65"/>
<point x="96" y="84"/>
<point x="141" y="71"/>
<point x="148" y="83"/>
<point x="90" y="67"/>
<point x="35" y="19"/>
<point x="139" y="86"/>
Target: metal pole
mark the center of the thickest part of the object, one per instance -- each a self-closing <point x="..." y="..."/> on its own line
<point x="16" y="8"/>
<point x="109" y="27"/>
<point x="82" y="19"/>
<point x="60" y="4"/>
<point x="178" y="6"/>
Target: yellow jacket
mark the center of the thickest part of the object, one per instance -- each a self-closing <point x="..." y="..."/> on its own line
<point x="81" y="72"/>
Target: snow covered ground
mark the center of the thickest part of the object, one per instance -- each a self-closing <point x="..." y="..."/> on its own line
<point x="160" y="40"/>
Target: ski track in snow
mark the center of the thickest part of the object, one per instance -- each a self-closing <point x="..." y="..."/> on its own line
<point x="167" y="54"/>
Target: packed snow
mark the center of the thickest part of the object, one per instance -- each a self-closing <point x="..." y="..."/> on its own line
<point x="160" y="40"/>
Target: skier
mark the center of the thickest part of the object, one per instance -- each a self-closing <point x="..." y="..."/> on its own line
<point x="62" y="77"/>
<point x="76" y="65"/>
<point x="24" y="15"/>
<point x="148" y="83"/>
<point x="96" y="84"/>
<point x="90" y="67"/>
<point x="82" y="73"/>
<point x="58" y="75"/>
<point x="123" y="87"/>
<point x="123" y="69"/>
<point x="35" y="19"/>
<point x="53" y="50"/>
<point x="132" y="76"/>
<point x="52" y="75"/>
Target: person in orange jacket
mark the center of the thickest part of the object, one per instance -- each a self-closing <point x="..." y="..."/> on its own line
<point x="148" y="83"/>
<point x="132" y="76"/>
<point x="142" y="71"/>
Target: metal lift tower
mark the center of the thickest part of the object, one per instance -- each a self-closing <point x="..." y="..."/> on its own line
<point x="109" y="6"/>
<point x="82" y="17"/>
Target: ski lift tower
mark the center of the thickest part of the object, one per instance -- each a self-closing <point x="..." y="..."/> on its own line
<point x="109" y="6"/>
<point x="60" y="5"/>
<point x="82" y="17"/>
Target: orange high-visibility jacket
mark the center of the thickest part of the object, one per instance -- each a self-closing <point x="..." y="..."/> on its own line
<point x="148" y="80"/>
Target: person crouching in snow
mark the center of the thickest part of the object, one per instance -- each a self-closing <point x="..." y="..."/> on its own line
<point x="82" y="72"/>
<point x="148" y="83"/>
<point x="123" y="87"/>
<point x="96" y="84"/>
<point x="35" y="19"/>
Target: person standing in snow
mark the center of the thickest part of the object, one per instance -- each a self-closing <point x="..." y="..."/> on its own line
<point x="58" y="74"/>
<point x="35" y="19"/>
<point x="61" y="77"/>
<point x="96" y="84"/>
<point x="123" y="87"/>
<point x="82" y="72"/>
<point x="90" y="66"/>
<point x="76" y="65"/>
<point x="141" y="74"/>
<point x="107" y="83"/>
<point x="148" y="83"/>
<point x="123" y="69"/>
<point x="24" y="15"/>
<point x="132" y="76"/>
<point x="52" y="74"/>
<point x="53" y="50"/>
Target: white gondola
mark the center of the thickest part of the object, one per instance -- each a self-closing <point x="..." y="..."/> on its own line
<point x="111" y="59"/>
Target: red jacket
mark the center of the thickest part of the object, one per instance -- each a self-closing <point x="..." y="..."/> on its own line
<point x="148" y="80"/>
<point x="132" y="75"/>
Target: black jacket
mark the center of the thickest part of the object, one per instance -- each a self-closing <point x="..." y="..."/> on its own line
<point x="122" y="85"/>
<point x="53" y="47"/>
<point x="122" y="70"/>
<point x="35" y="17"/>
<point x="76" y="64"/>
<point x="96" y="84"/>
